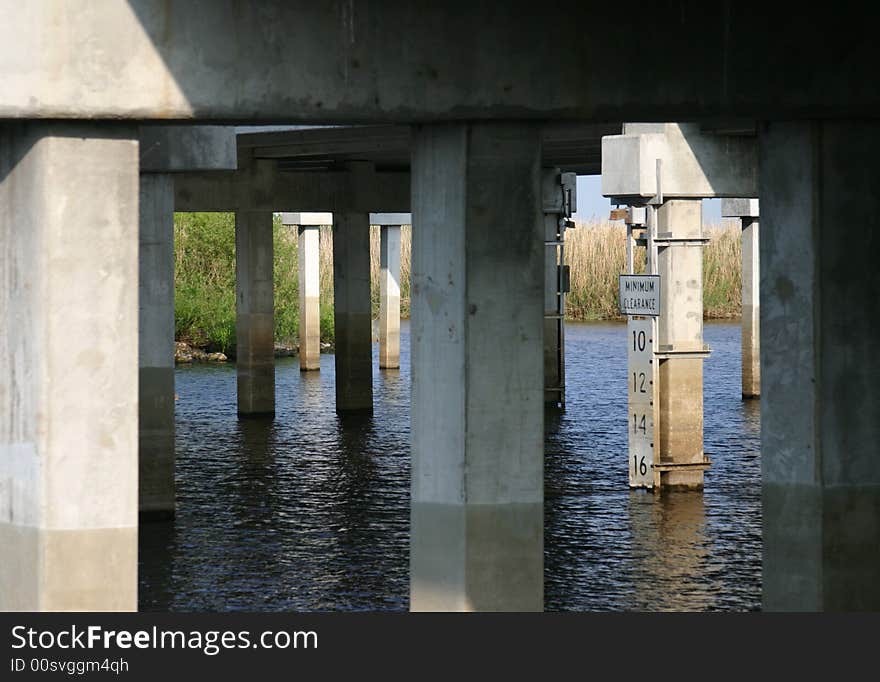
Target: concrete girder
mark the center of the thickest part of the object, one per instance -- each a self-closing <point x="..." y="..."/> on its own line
<point x="263" y="187"/>
<point x="677" y="160"/>
<point x="182" y="148"/>
<point x="284" y="61"/>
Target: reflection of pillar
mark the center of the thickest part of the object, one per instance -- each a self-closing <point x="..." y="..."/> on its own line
<point x="255" y="314"/>
<point x="477" y="396"/>
<point x="156" y="347"/>
<point x="670" y="552"/>
<point x="351" y="303"/>
<point x="68" y="396"/>
<point x="389" y="298"/>
<point x="820" y="407"/>
<point x="747" y="211"/>
<point x="679" y="239"/>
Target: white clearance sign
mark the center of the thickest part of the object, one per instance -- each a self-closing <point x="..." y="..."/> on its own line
<point x="640" y="295"/>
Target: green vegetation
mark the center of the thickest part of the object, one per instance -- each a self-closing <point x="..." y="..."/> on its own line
<point x="205" y="276"/>
<point x="204" y="282"/>
<point x="596" y="253"/>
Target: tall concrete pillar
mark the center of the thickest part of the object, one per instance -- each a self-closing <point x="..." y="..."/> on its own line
<point x="389" y="297"/>
<point x="679" y="239"/>
<point x="820" y="408"/>
<point x="477" y="363"/>
<point x="746" y="210"/>
<point x="559" y="199"/>
<point x="156" y="347"/>
<point x="68" y="370"/>
<point x="254" y="313"/>
<point x="352" y="317"/>
<point x="751" y="310"/>
<point x="309" y="297"/>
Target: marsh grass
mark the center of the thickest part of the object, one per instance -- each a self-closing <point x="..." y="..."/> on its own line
<point x="596" y="253"/>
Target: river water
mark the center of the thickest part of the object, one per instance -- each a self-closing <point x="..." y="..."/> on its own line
<point x="309" y="512"/>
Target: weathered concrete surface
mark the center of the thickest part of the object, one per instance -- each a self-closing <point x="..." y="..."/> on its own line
<point x="390" y="61"/>
<point x="311" y="219"/>
<point x="389" y="297"/>
<point x="68" y="400"/>
<point x="156" y="347"/>
<point x="309" y="297"/>
<point x="748" y="212"/>
<point x="680" y="329"/>
<point x="693" y="163"/>
<point x="477" y="340"/>
<point x="351" y="307"/>
<point x="681" y="420"/>
<point x="254" y="313"/>
<point x="751" y="309"/>
<point x="820" y="408"/>
<point x="553" y="369"/>
<point x="169" y="148"/>
<point x="260" y="186"/>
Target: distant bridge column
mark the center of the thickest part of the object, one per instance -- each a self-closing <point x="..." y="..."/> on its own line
<point x="678" y="243"/>
<point x="477" y="359"/>
<point x="254" y="313"/>
<point x="747" y="212"/>
<point x="156" y="347"/>
<point x="68" y="367"/>
<point x="389" y="286"/>
<point x="559" y="195"/>
<point x="308" y="227"/>
<point x="820" y="323"/>
<point x="352" y="314"/>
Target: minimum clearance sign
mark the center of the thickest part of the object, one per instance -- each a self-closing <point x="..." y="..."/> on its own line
<point x="640" y="295"/>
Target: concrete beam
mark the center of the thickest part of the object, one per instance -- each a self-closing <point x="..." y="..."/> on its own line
<point x="175" y="149"/>
<point x="692" y="163"/>
<point x="740" y="208"/>
<point x="820" y="407"/>
<point x="390" y="61"/>
<point x="262" y="187"/>
<point x="397" y="219"/>
<point x="307" y="219"/>
<point x="69" y="388"/>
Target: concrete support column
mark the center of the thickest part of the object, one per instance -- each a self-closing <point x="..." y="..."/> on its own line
<point x="309" y="297"/>
<point x="477" y="361"/>
<point x="747" y="212"/>
<point x="751" y="310"/>
<point x="352" y="317"/>
<point x="820" y="408"/>
<point x="68" y="374"/>
<point x="552" y="327"/>
<point x="389" y="297"/>
<point x="156" y="347"/>
<point x="254" y="313"/>
<point x="680" y="266"/>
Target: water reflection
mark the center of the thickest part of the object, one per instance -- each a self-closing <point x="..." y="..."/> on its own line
<point x="670" y="552"/>
<point x="311" y="511"/>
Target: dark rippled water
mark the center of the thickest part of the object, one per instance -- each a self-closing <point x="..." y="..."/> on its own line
<point x="310" y="512"/>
